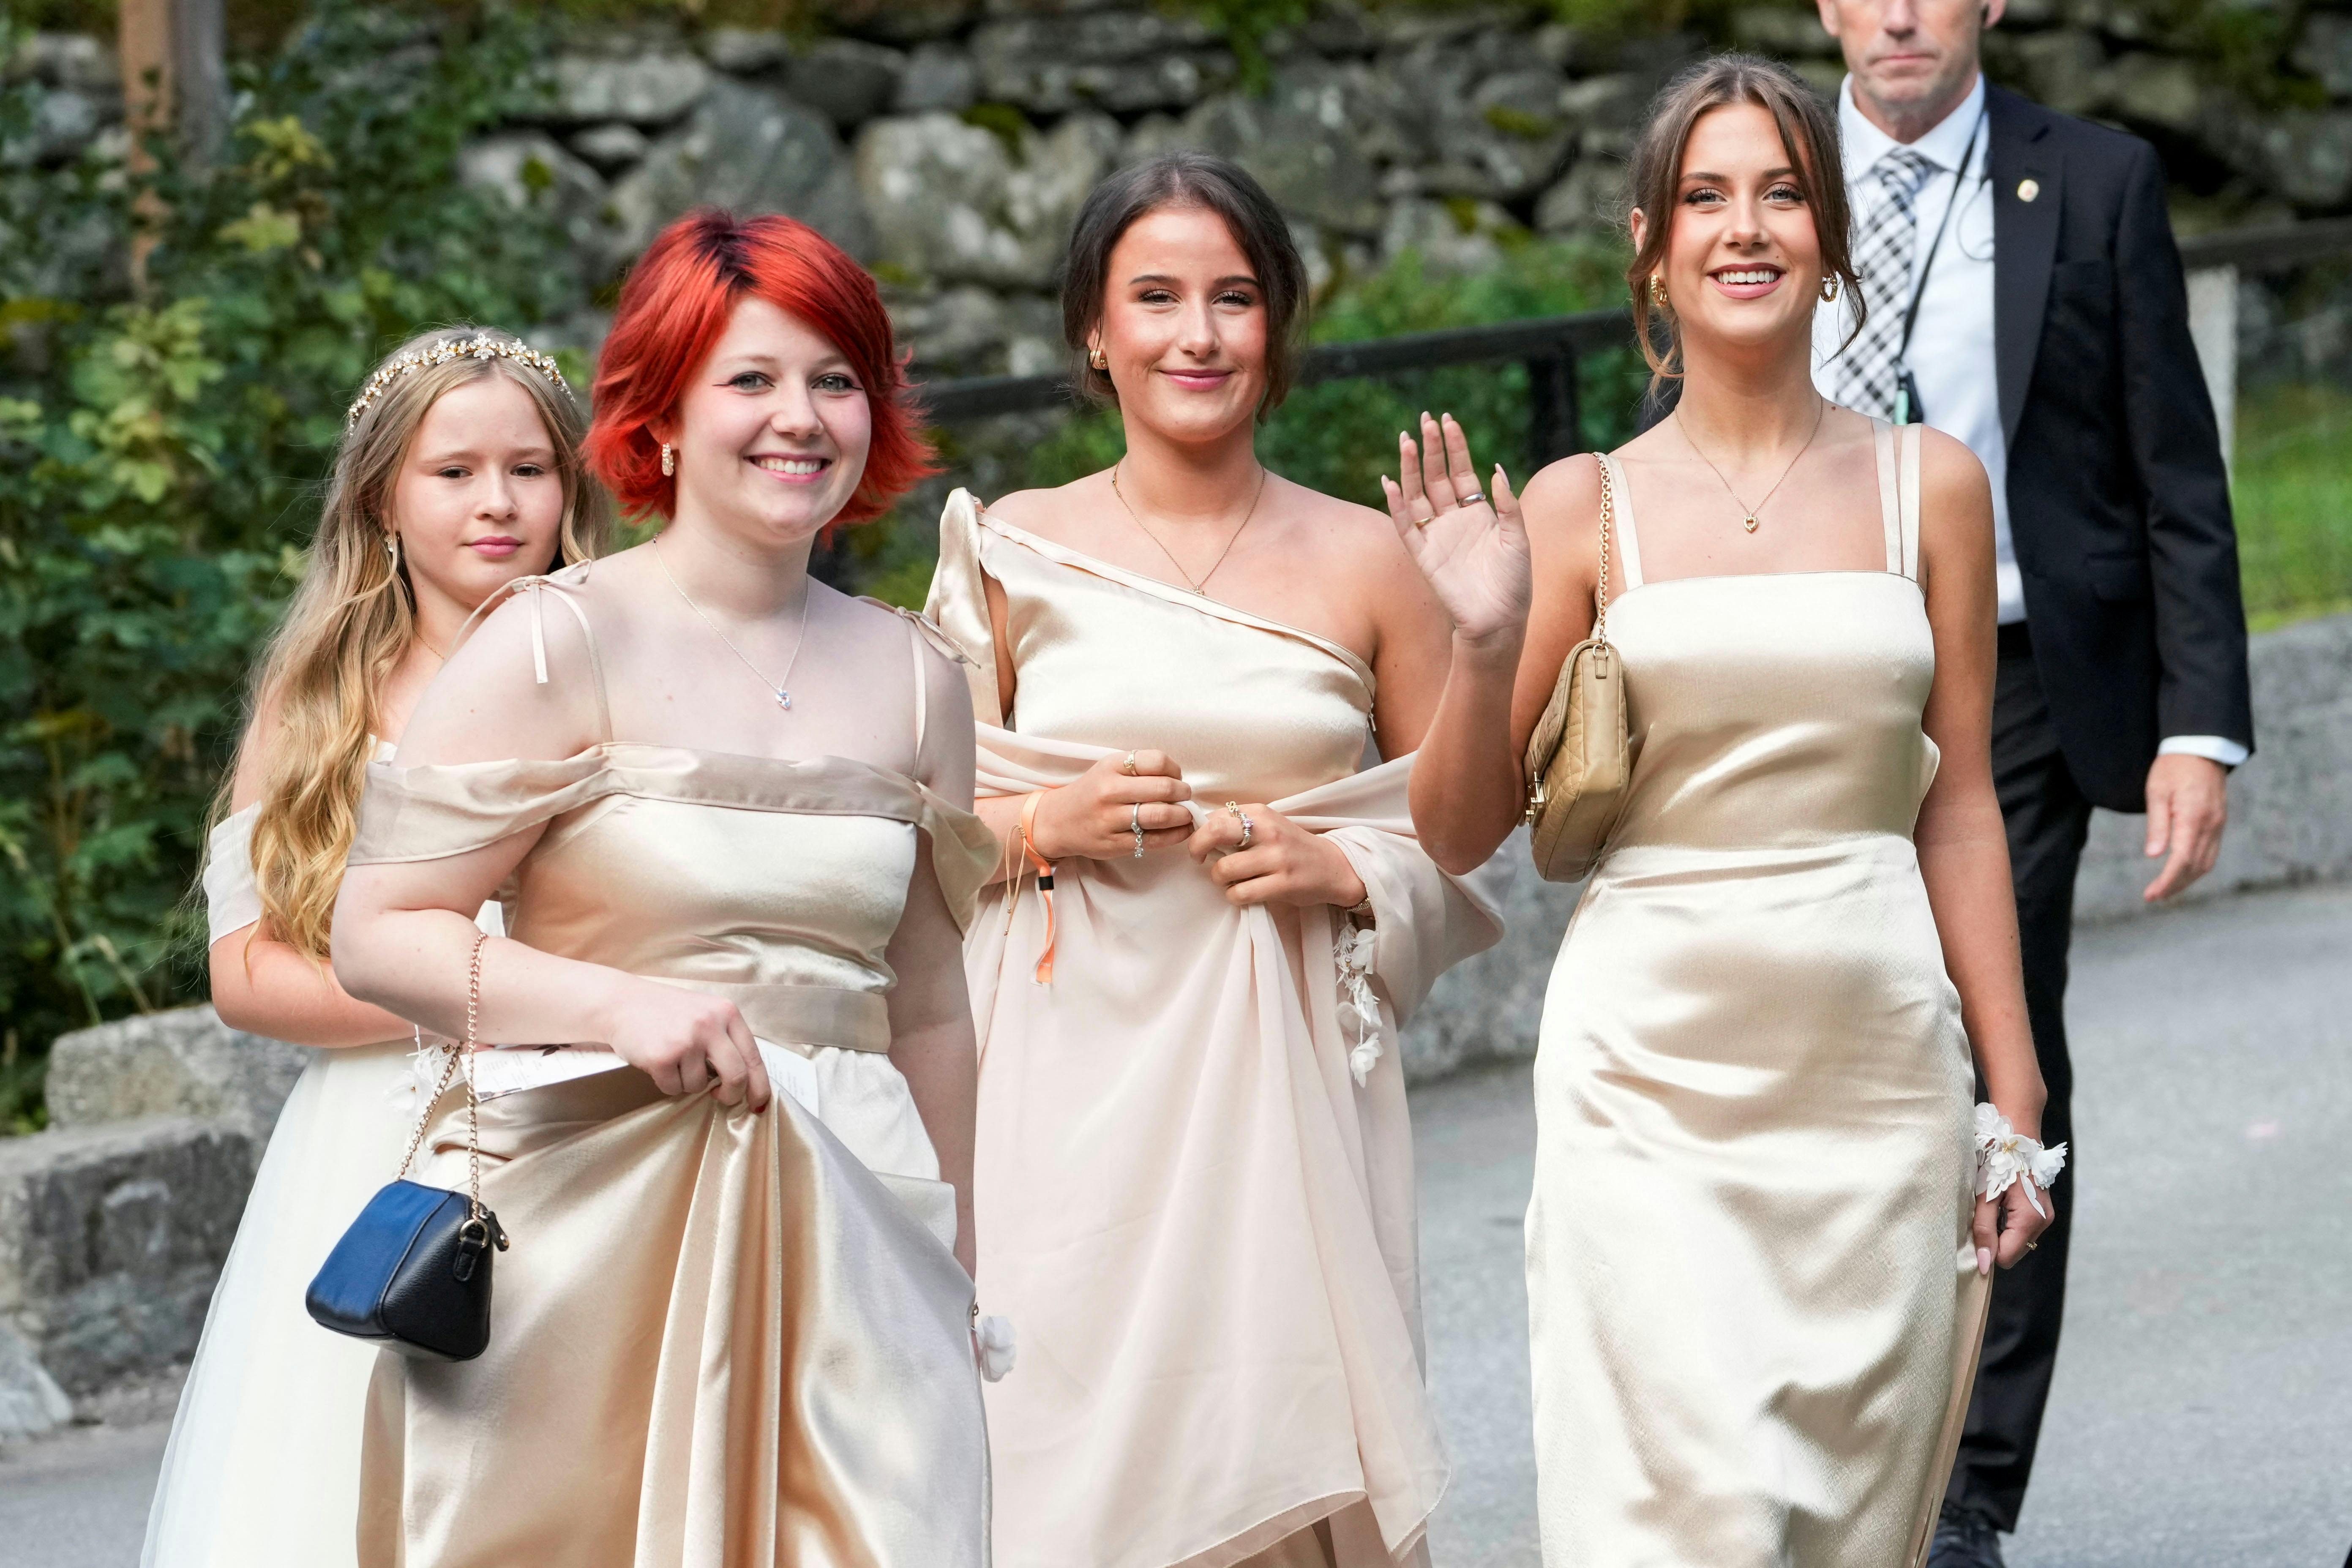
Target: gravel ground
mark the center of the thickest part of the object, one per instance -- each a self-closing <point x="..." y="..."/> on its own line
<point x="2203" y="1414"/>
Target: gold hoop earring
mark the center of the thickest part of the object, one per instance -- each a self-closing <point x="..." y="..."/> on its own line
<point x="1658" y="291"/>
<point x="1828" y="287"/>
<point x="669" y="460"/>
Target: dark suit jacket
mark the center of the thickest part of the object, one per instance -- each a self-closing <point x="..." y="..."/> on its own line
<point x="2119" y="503"/>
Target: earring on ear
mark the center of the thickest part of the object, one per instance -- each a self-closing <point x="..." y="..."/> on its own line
<point x="669" y="460"/>
<point x="1658" y="291"/>
<point x="391" y="549"/>
<point x="1828" y="287"/>
<point x="1097" y="359"/>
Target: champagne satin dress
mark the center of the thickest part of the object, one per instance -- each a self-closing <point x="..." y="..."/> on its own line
<point x="1754" y="1305"/>
<point x="721" y="1339"/>
<point x="1194" y="1168"/>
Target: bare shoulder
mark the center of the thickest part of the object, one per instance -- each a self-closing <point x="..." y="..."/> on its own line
<point x="1050" y="511"/>
<point x="1949" y="471"/>
<point x="255" y="753"/>
<point x="523" y="684"/>
<point x="1561" y="504"/>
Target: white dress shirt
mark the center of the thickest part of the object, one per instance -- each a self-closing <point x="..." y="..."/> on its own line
<point x="1951" y="351"/>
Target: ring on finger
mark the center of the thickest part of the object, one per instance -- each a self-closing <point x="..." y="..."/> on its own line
<point x="1135" y="826"/>
<point x="1474" y="498"/>
<point x="1249" y="829"/>
<point x="1128" y="767"/>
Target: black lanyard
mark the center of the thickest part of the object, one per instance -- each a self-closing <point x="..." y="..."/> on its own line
<point x="1906" y="396"/>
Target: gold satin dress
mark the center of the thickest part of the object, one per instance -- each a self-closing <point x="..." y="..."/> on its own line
<point x="1751" y="1293"/>
<point x="721" y="1339"/>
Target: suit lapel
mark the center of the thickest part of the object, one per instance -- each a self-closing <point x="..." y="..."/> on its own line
<point x="2025" y="243"/>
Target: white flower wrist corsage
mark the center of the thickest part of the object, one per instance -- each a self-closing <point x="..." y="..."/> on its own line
<point x="1358" y="1009"/>
<point x="2005" y="1154"/>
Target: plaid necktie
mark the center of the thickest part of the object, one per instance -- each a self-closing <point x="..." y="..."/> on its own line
<point x="1870" y="371"/>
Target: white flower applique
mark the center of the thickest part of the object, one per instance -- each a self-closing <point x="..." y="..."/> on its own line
<point x="2004" y="1154"/>
<point x="414" y="1087"/>
<point x="1358" y="1009"/>
<point x="994" y="1337"/>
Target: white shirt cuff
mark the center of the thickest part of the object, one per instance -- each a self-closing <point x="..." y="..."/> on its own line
<point x="2226" y="753"/>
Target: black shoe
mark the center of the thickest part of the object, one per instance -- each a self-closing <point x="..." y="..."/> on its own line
<point x="1964" y="1539"/>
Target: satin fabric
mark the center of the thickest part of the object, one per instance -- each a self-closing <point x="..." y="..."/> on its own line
<point x="1752" y="1296"/>
<point x="1203" y="1227"/>
<point x="720" y="1338"/>
<point x="263" y="1463"/>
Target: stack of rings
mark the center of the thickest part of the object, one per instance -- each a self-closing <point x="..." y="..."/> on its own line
<point x="1134" y="812"/>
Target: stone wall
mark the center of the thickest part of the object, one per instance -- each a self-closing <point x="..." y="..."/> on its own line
<point x="948" y="143"/>
<point x="2290" y="822"/>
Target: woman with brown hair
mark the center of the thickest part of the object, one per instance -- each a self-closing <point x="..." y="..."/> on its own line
<point x="459" y="471"/>
<point x="1194" y="1169"/>
<point x="1764" y="1214"/>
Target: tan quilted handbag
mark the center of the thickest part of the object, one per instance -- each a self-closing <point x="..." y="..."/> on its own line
<point x="1580" y="758"/>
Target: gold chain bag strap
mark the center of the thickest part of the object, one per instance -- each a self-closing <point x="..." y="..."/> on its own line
<point x="412" y="1272"/>
<point x="1580" y="755"/>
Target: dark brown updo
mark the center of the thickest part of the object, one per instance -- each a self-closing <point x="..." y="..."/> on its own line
<point x="1179" y="180"/>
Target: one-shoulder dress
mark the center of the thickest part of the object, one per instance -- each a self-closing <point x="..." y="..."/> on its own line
<point x="720" y="1338"/>
<point x="1195" y="1167"/>
<point x="1753" y="1300"/>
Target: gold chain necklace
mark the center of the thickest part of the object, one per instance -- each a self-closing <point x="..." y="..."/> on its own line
<point x="1200" y="586"/>
<point x="1748" y="518"/>
<point x="783" y="698"/>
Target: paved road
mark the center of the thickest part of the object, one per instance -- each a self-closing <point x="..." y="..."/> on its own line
<point x="2203" y="1415"/>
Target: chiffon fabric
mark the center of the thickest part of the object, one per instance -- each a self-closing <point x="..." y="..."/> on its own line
<point x="1199" y="1219"/>
<point x="1753" y="1299"/>
<point x="263" y="1464"/>
<point x="721" y="1338"/>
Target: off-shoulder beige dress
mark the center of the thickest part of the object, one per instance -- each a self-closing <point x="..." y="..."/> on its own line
<point x="721" y="1338"/>
<point x="1195" y="1170"/>
<point x="1754" y="1303"/>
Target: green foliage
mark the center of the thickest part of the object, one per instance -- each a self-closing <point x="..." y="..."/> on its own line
<point x="161" y="446"/>
<point x="2292" y="492"/>
<point x="1340" y="436"/>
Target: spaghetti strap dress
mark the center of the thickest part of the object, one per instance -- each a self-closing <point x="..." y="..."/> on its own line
<point x="1753" y="1299"/>
<point x="1193" y="1172"/>
<point x="720" y="1338"/>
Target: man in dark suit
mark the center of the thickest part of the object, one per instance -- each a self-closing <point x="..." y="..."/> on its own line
<point x="2026" y="296"/>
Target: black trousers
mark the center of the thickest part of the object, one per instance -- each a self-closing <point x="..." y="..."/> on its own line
<point x="2047" y="819"/>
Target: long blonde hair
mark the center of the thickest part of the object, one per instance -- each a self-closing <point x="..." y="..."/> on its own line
<point x="348" y="625"/>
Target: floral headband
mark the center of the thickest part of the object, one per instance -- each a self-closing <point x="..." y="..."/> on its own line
<point x="481" y="347"/>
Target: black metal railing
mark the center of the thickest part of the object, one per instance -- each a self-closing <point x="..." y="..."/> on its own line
<point x="1549" y="346"/>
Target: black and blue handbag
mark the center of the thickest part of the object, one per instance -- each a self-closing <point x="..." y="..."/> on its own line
<point x="412" y="1272"/>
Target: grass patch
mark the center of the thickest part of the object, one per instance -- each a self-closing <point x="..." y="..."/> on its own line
<point x="2293" y="493"/>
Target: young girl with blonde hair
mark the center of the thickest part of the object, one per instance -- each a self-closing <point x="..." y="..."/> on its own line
<point x="459" y="471"/>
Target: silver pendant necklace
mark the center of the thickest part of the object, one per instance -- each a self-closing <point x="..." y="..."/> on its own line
<point x="776" y="688"/>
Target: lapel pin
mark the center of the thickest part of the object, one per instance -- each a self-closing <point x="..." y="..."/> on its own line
<point x="2028" y="189"/>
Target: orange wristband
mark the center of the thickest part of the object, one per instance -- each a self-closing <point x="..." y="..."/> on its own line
<point x="1044" y="973"/>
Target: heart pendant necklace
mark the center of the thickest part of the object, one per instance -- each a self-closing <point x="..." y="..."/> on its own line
<point x="1748" y="513"/>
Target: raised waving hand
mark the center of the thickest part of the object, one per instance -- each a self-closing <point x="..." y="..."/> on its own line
<point x="1472" y="548"/>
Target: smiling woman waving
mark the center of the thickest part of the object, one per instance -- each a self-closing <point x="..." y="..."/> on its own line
<point x="1761" y="1228"/>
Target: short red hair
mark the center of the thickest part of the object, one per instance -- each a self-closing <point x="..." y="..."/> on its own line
<point x="675" y="308"/>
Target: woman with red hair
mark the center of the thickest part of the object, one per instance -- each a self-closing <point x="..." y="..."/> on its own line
<point x="729" y="812"/>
